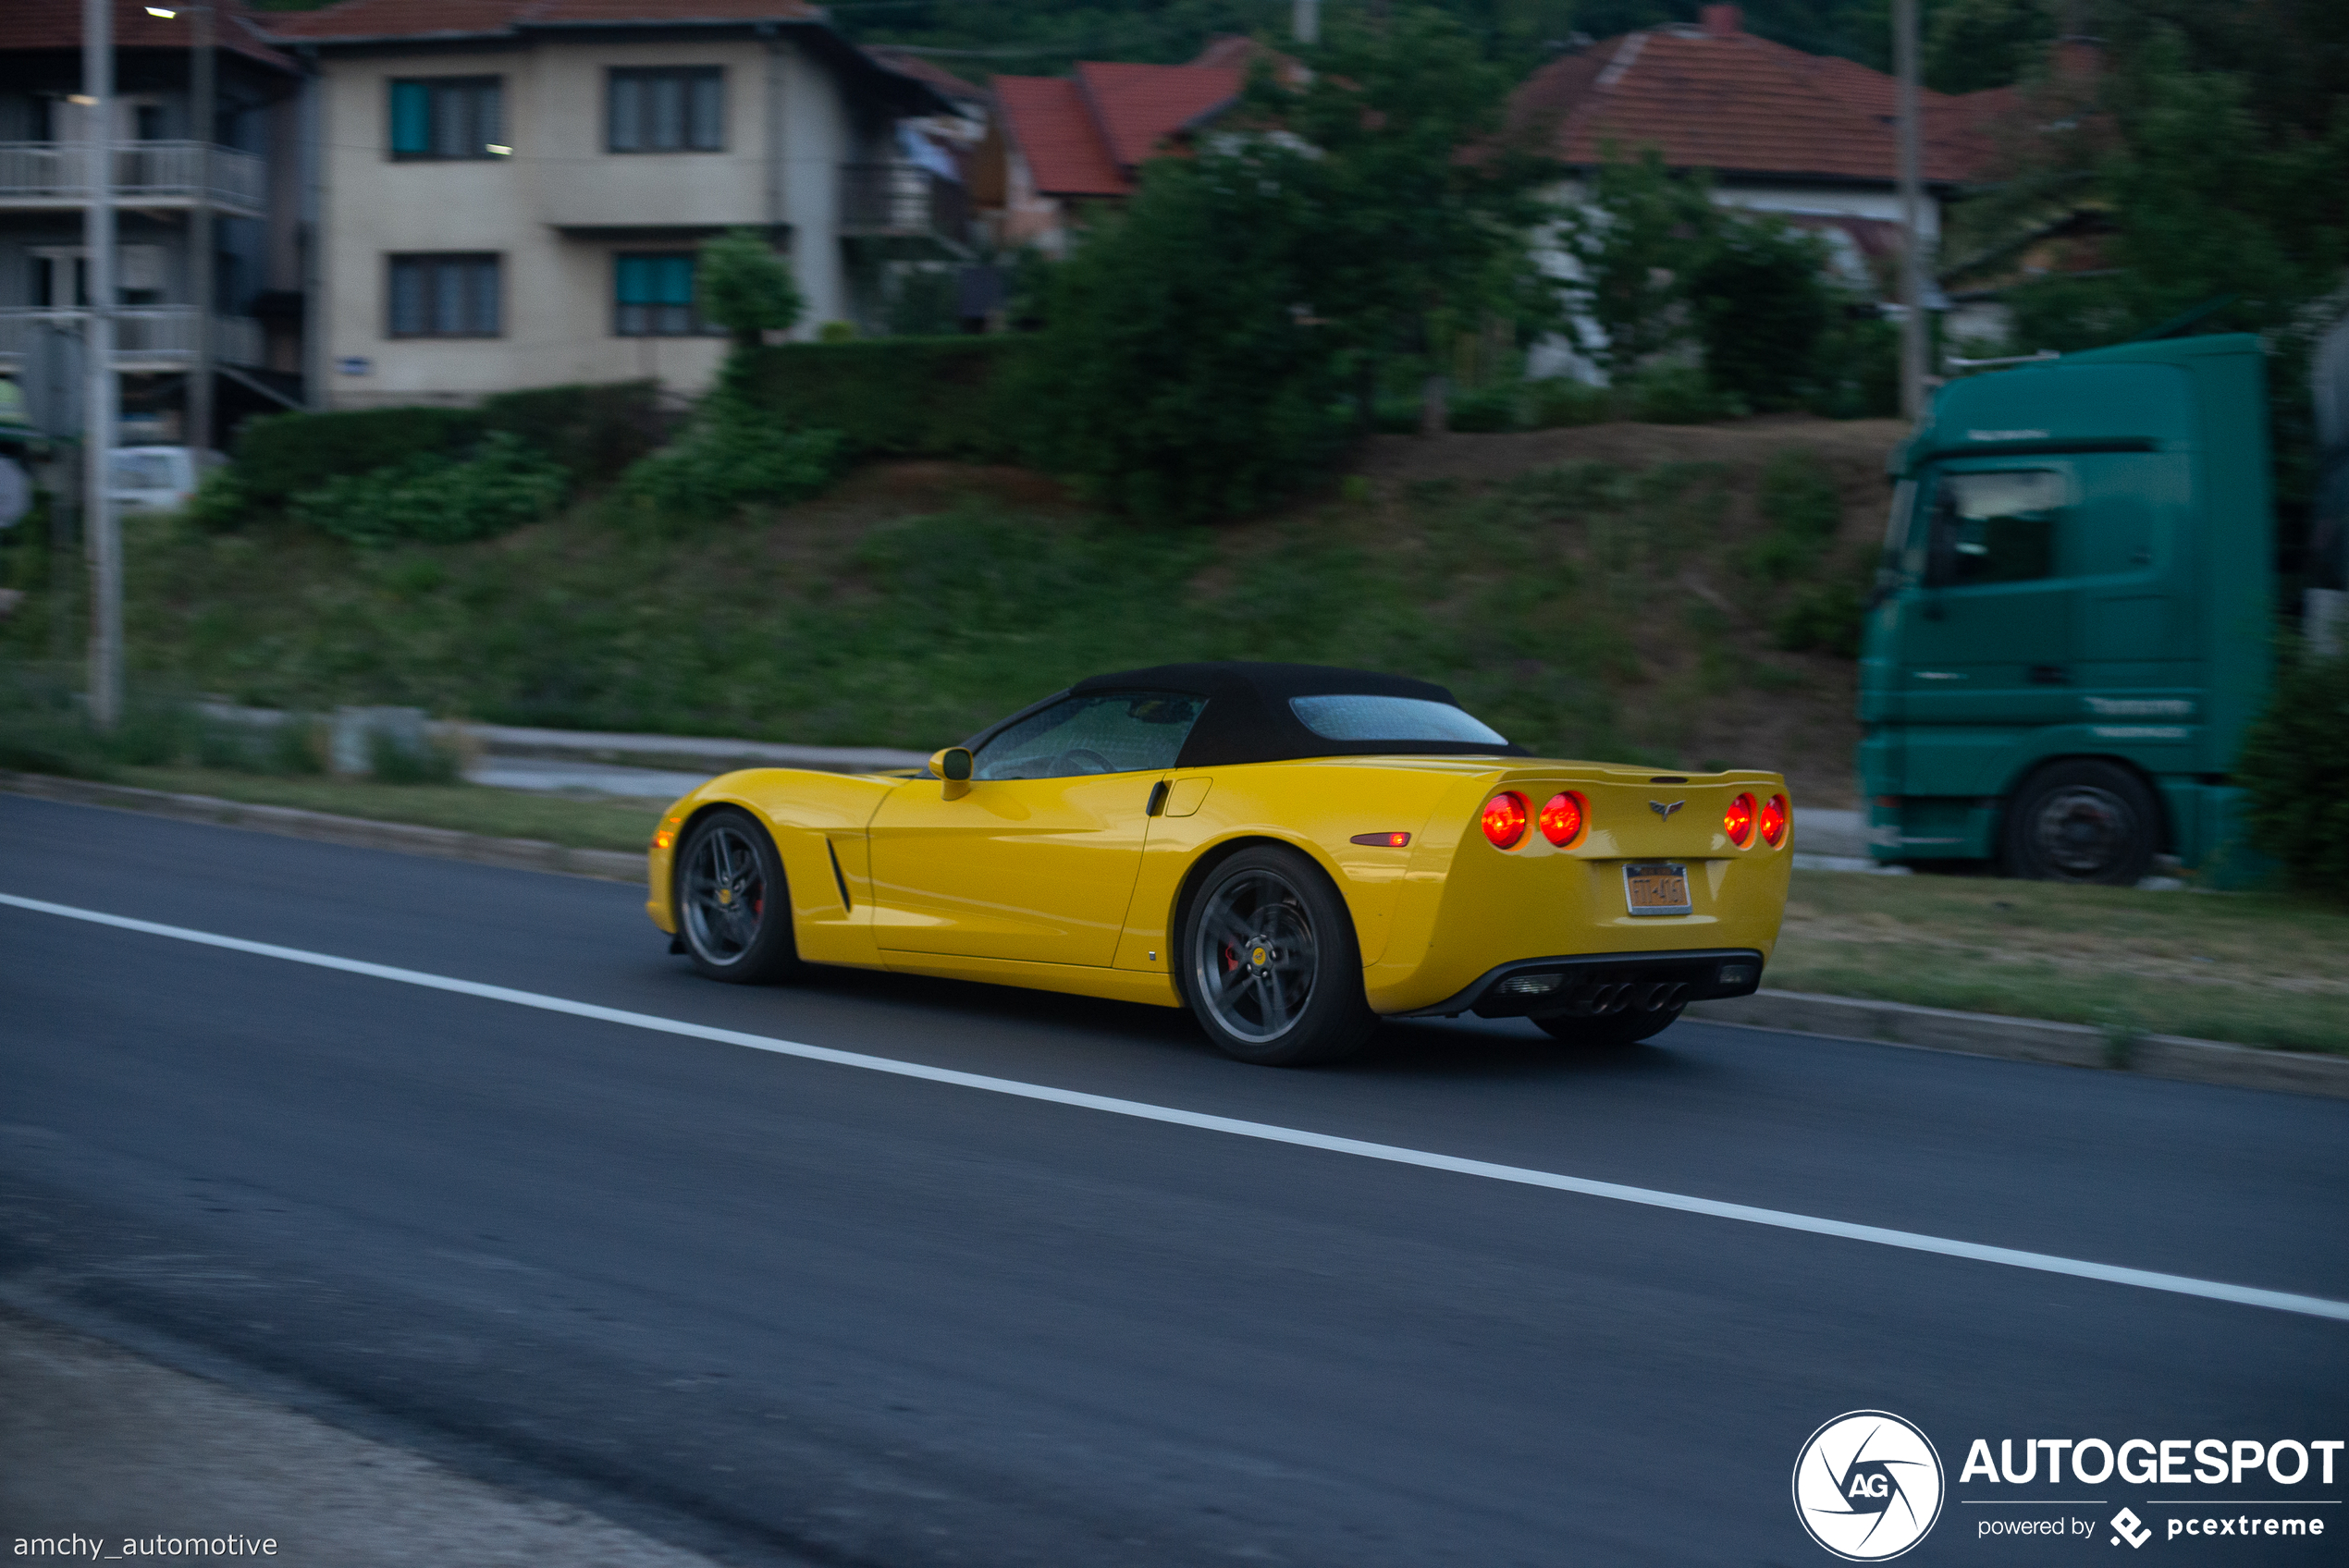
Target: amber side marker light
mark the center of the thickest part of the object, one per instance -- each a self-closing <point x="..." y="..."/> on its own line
<point x="1774" y="819"/>
<point x="666" y="834"/>
<point x="1738" y="821"/>
<point x="1562" y="818"/>
<point x="1382" y="840"/>
<point x="1505" y="819"/>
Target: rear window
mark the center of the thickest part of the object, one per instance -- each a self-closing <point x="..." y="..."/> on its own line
<point x="1392" y="718"/>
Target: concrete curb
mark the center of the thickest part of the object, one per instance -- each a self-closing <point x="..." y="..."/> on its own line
<point x="2032" y="1039"/>
<point x="1926" y="1028"/>
<point x="444" y="843"/>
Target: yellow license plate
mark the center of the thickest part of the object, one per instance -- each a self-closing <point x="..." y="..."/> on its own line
<point x="1657" y="889"/>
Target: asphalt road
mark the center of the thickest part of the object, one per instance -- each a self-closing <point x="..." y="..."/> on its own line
<point x="783" y="1311"/>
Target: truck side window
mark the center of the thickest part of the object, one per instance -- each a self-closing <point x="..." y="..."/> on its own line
<point x="1994" y="527"/>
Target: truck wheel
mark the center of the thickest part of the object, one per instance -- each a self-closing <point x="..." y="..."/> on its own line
<point x="2082" y="821"/>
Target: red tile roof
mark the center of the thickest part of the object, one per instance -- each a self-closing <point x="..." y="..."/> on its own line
<point x="57" y="24"/>
<point x="1085" y="136"/>
<point x="1140" y="106"/>
<point x="1046" y="116"/>
<point x="1727" y="101"/>
<point x="355" y="19"/>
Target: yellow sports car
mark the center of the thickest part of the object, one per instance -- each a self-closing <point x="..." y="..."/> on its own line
<point x="1293" y="852"/>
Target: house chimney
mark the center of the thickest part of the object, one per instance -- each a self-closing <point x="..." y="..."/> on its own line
<point x="1722" y="22"/>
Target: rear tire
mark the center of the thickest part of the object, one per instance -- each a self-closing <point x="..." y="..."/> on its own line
<point x="2082" y="821"/>
<point x="1607" y="1034"/>
<point x="733" y="907"/>
<point x="1269" y="963"/>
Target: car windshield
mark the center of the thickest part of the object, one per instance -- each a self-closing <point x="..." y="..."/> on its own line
<point x="1392" y="718"/>
<point x="1112" y="732"/>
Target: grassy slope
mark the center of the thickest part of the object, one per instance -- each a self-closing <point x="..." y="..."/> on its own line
<point x="580" y="824"/>
<point x="1588" y="591"/>
<point x="2251" y="968"/>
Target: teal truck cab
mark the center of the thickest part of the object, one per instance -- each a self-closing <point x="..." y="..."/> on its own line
<point x="2072" y="627"/>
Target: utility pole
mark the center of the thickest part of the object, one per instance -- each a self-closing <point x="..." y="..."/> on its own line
<point x="1904" y="62"/>
<point x="199" y="432"/>
<point x="102" y="530"/>
<point x="1305" y="21"/>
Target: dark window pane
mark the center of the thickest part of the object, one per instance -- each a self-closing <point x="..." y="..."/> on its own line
<point x="411" y="118"/>
<point x="667" y="112"/>
<point x="407" y="297"/>
<point x="627" y="113"/>
<point x="484" y="296"/>
<point x="448" y="300"/>
<point x="488" y="117"/>
<point x="710" y="103"/>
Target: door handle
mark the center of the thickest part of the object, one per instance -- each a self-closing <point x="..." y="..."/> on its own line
<point x="1158" y="798"/>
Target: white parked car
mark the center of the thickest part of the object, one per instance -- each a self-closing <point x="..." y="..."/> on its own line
<point x="158" y="479"/>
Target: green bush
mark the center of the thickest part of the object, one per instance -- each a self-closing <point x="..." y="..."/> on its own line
<point x="433" y="499"/>
<point x="1178" y="379"/>
<point x="1798" y="500"/>
<point x="282" y="455"/>
<point x="1678" y="395"/>
<point x="1826" y="616"/>
<point x="895" y="397"/>
<point x="222" y="502"/>
<point x="593" y="428"/>
<point x="2296" y="769"/>
<point x="1763" y="306"/>
<point x="1560" y="401"/>
<point x="732" y="453"/>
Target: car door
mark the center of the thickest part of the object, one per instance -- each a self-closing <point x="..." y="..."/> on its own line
<point x="1035" y="857"/>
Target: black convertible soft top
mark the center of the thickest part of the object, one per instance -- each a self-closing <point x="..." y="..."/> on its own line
<point x="1248" y="717"/>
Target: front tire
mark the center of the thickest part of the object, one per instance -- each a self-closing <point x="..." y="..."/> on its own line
<point x="734" y="908"/>
<point x="1269" y="961"/>
<point x="2083" y="821"/>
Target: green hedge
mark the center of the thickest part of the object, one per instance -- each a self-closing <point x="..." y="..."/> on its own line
<point x="895" y="397"/>
<point x="595" y="431"/>
<point x="282" y="455"/>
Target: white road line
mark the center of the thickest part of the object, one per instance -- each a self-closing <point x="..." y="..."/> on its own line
<point x="2046" y="1263"/>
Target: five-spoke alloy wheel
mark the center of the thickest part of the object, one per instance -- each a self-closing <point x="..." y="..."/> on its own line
<point x="1269" y="962"/>
<point x="732" y="906"/>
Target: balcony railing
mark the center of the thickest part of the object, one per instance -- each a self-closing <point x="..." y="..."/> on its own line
<point x="903" y="201"/>
<point x="56" y="174"/>
<point x="157" y="336"/>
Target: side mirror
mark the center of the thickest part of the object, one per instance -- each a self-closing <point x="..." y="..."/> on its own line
<point x="952" y="765"/>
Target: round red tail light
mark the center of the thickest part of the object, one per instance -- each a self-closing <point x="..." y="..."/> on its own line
<point x="1773" y="824"/>
<point x="1738" y="821"/>
<point x="1562" y="819"/>
<point x="1505" y="819"/>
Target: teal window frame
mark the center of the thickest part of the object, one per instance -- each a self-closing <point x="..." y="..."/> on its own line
<point x="446" y="118"/>
<point x="655" y="294"/>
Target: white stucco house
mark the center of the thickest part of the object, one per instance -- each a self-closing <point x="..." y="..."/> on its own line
<point x="510" y="192"/>
<point x="1807" y="136"/>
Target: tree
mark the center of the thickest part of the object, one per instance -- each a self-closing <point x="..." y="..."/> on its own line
<point x="747" y="289"/>
<point x="1179" y="378"/>
<point x="1421" y="203"/>
<point x="1635" y="240"/>
<point x="1762" y="303"/>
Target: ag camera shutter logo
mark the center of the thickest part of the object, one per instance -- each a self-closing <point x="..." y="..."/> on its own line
<point x="1868" y="1486"/>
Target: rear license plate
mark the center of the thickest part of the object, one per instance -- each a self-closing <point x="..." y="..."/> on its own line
<point x="1657" y="889"/>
